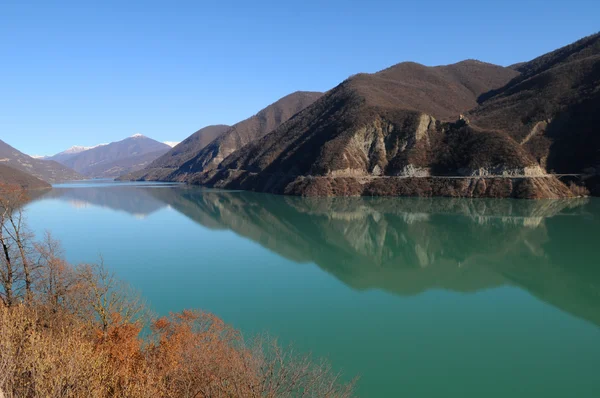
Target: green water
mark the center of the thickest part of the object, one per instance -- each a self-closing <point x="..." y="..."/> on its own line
<point x="420" y="297"/>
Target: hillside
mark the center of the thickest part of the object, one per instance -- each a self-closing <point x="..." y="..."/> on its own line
<point x="161" y="168"/>
<point x="398" y="132"/>
<point x="11" y="176"/>
<point x="390" y="133"/>
<point x="117" y="158"/>
<point x="551" y="109"/>
<point x="46" y="170"/>
<point x="245" y="132"/>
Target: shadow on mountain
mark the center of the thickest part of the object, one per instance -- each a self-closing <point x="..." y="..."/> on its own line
<point x="409" y="245"/>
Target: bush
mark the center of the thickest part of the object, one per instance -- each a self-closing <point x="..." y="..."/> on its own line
<point x="76" y="331"/>
<point x="578" y="190"/>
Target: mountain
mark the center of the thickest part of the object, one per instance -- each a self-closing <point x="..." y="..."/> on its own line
<point x="161" y="168"/>
<point x="117" y="158"/>
<point x="11" y="176"/>
<point x="70" y="153"/>
<point x="245" y="132"/>
<point x="46" y="170"/>
<point x="371" y="132"/>
<point x="401" y="132"/>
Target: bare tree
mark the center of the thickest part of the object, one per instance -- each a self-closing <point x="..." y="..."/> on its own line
<point x="13" y="240"/>
<point x="284" y="373"/>
<point x="105" y="298"/>
<point x="55" y="279"/>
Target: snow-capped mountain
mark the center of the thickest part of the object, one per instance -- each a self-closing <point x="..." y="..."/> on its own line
<point x="63" y="156"/>
<point x="114" y="159"/>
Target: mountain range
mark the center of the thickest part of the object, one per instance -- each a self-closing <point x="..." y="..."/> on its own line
<point x="206" y="148"/>
<point x="469" y="129"/>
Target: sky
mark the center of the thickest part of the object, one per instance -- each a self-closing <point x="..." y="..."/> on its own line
<point x="90" y="72"/>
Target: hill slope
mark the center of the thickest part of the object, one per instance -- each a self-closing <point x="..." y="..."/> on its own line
<point x="117" y="158"/>
<point x="11" y="176"/>
<point x="45" y="170"/>
<point x="380" y="134"/>
<point x="245" y="132"/>
<point x="397" y="132"/>
<point x="551" y="109"/>
<point x="161" y="168"/>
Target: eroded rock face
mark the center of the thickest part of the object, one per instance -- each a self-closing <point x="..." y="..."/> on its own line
<point x="532" y="171"/>
<point x="547" y="187"/>
<point x="412" y="171"/>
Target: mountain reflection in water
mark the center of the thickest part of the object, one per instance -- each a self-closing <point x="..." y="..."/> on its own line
<point x="404" y="246"/>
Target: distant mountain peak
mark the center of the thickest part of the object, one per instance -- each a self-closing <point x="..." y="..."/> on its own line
<point x="77" y="149"/>
<point x="172" y="144"/>
<point x="116" y="158"/>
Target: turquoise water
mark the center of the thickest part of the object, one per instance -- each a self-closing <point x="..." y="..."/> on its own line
<point x="419" y="297"/>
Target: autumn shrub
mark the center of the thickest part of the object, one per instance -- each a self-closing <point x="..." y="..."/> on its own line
<point x="578" y="190"/>
<point x="77" y="331"/>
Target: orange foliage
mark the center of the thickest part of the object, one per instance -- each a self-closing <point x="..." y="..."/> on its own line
<point x="78" y="332"/>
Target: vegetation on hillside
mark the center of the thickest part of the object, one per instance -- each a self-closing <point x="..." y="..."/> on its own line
<point x="76" y="331"/>
<point x="12" y="176"/>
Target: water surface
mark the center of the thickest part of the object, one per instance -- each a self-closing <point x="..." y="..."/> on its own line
<point x="420" y="297"/>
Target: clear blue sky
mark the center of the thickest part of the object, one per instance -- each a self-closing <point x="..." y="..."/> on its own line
<point x="83" y="72"/>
